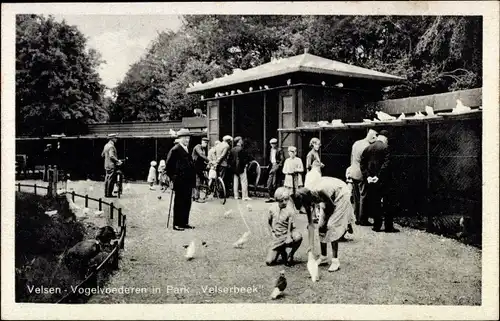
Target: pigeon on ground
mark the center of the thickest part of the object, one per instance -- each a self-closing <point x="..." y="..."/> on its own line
<point x="323" y="83"/>
<point x="279" y="286"/>
<point x="289" y="82"/>
<point x="243" y="239"/>
<point x="228" y="213"/>
<point x="312" y="267"/>
<point x="190" y="251"/>
<point x="249" y="207"/>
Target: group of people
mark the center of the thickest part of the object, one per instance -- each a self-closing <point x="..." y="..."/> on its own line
<point x="330" y="204"/>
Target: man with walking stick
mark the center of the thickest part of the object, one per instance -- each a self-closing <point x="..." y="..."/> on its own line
<point x="180" y="169"/>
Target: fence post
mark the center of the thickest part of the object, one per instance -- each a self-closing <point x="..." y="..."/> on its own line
<point x="86" y="200"/>
<point x="18" y="187"/>
<point x="73" y="196"/>
<point x="111" y="209"/>
<point x="100" y="204"/>
<point x="124" y="229"/>
<point x="119" y="217"/>
<point x="34" y="187"/>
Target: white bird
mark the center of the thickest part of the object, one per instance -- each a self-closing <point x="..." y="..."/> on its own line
<point x="249" y="207"/>
<point x="266" y="87"/>
<point x="190" y="251"/>
<point x="312" y="267"/>
<point x="367" y="121"/>
<point x="228" y="213"/>
<point x="227" y="94"/>
<point x="51" y="213"/>
<point x="239" y="91"/>
<point x="172" y="132"/>
<point x="73" y="207"/>
<point x="402" y="116"/>
<point x="429" y="110"/>
<point x="279" y="286"/>
<point x="242" y="240"/>
<point x="419" y="115"/>
<point x="340" y="85"/>
<point x="216" y="95"/>
<point x="260" y="87"/>
<point x="232" y="92"/>
<point x="460" y="107"/>
<point x="383" y="116"/>
<point x="323" y="83"/>
<point x="202" y="97"/>
<point x="289" y="82"/>
<point x="250" y="89"/>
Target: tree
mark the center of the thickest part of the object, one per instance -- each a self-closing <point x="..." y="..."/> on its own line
<point x="57" y="86"/>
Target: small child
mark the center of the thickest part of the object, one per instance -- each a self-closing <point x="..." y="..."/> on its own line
<point x="280" y="219"/>
<point x="162" y="175"/>
<point x="152" y="175"/>
<point x="293" y="169"/>
<point x="212" y="172"/>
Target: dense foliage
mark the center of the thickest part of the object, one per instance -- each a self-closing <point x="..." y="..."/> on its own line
<point x="56" y="76"/>
<point x="435" y="54"/>
<point x="57" y="84"/>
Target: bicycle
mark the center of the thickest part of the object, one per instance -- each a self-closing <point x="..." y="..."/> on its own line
<point x="119" y="178"/>
<point x="217" y="188"/>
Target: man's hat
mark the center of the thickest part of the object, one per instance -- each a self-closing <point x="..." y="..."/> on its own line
<point x="183" y="132"/>
<point x="384" y="132"/>
<point x="273" y="141"/>
<point x="205" y="139"/>
<point x="227" y="137"/>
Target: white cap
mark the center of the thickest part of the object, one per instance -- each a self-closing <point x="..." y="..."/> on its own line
<point x="273" y="141"/>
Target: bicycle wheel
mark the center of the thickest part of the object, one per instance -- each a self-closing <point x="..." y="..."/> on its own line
<point x="220" y="190"/>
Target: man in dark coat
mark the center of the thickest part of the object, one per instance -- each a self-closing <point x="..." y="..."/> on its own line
<point x="238" y="161"/>
<point x="374" y="165"/>
<point x="200" y="160"/>
<point x="110" y="162"/>
<point x="180" y="169"/>
<point x="275" y="165"/>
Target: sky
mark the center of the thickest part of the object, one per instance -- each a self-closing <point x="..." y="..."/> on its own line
<point x="121" y="39"/>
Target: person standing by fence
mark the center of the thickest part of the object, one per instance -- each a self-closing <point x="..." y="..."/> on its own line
<point x="275" y="166"/>
<point x="110" y="161"/>
<point x="358" y="183"/>
<point x="180" y="169"/>
<point x="376" y="174"/>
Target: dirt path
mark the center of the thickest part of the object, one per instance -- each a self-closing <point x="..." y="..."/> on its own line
<point x="411" y="267"/>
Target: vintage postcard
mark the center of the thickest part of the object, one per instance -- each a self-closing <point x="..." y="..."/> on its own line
<point x="250" y="160"/>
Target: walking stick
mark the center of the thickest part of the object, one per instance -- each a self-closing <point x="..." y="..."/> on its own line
<point x="170" y="206"/>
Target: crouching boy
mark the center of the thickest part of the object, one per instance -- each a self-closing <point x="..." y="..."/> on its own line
<point x="281" y="216"/>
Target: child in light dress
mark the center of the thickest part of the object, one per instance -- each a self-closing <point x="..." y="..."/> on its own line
<point x="293" y="169"/>
<point x="313" y="163"/>
<point x="280" y="219"/>
<point x="162" y="175"/>
<point x="152" y="175"/>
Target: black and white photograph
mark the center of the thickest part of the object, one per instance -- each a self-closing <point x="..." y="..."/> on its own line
<point x="181" y="158"/>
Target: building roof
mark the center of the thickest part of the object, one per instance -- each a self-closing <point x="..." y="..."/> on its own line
<point x="305" y="63"/>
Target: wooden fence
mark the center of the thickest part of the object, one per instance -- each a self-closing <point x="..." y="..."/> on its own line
<point x="112" y="258"/>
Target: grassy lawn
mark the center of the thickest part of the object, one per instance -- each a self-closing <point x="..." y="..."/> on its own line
<point x="411" y="267"/>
